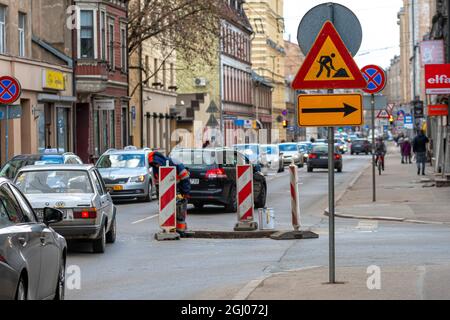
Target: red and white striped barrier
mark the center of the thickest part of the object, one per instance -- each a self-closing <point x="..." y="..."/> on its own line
<point x="295" y="206"/>
<point x="167" y="202"/>
<point x="244" y="178"/>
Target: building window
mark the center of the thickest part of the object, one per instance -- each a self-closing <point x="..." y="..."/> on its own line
<point x="22" y="30"/>
<point x="123" y="48"/>
<point x="147" y="71"/>
<point x="103" y="35"/>
<point x="124" y="126"/>
<point x="87" y="34"/>
<point x="164" y="75"/>
<point x="172" y="75"/>
<point x="111" y="44"/>
<point x="155" y="72"/>
<point x="2" y="29"/>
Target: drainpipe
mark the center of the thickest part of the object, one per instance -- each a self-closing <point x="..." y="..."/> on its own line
<point x="141" y="89"/>
<point x="74" y="87"/>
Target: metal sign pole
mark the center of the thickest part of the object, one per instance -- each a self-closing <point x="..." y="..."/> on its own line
<point x="331" y="207"/>
<point x="7" y="134"/>
<point x="374" y="199"/>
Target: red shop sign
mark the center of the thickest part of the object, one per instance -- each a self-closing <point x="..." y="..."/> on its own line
<point x="437" y="78"/>
<point x="437" y="110"/>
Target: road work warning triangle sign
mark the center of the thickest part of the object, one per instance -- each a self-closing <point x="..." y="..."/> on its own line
<point x="329" y="65"/>
<point x="383" y="114"/>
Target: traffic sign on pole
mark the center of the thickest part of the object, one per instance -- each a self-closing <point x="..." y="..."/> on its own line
<point x="383" y="114"/>
<point x="329" y="110"/>
<point x="343" y="19"/>
<point x="329" y="65"/>
<point x="375" y="78"/>
<point x="10" y="90"/>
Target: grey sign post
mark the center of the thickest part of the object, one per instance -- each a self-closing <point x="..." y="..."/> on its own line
<point x="8" y="112"/>
<point x="349" y="29"/>
<point x="343" y="19"/>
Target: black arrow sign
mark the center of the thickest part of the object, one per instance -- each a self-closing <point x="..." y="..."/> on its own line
<point x="347" y="110"/>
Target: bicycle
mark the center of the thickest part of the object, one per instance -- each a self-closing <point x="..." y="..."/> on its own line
<point x="379" y="163"/>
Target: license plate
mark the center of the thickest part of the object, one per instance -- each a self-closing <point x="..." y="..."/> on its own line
<point x="324" y="157"/>
<point x="118" y="188"/>
<point x="195" y="181"/>
<point x="68" y="214"/>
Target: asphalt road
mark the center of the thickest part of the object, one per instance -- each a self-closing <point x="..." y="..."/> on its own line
<point x="139" y="267"/>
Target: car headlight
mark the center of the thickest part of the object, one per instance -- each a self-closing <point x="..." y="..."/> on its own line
<point x="137" y="179"/>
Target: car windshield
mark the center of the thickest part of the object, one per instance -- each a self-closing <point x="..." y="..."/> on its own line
<point x="269" y="150"/>
<point x="121" y="161"/>
<point x="288" y="147"/>
<point x="54" y="181"/>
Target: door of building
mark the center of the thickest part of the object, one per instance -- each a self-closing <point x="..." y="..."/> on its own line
<point x="82" y="131"/>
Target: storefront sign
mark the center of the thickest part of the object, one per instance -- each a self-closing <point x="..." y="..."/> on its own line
<point x="437" y="78"/>
<point x="104" y="104"/>
<point x="53" y="80"/>
<point x="438" y="110"/>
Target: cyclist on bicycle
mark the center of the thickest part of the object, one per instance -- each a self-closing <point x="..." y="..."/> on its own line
<point x="380" y="151"/>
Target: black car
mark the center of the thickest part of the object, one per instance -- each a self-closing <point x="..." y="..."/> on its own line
<point x="12" y="166"/>
<point x="318" y="158"/>
<point x="361" y="146"/>
<point x="213" y="177"/>
<point x="32" y="255"/>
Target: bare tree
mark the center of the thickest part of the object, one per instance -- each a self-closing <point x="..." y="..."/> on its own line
<point x="189" y="27"/>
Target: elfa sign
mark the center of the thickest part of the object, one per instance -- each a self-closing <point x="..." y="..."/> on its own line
<point x="437" y="78"/>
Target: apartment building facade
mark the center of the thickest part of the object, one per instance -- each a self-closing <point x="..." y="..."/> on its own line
<point x="37" y="52"/>
<point x="101" y="72"/>
<point x="269" y="54"/>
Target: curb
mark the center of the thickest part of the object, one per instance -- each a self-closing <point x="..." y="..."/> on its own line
<point x="391" y="219"/>
<point x="231" y="234"/>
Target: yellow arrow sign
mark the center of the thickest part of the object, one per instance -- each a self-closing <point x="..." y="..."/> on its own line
<point x="324" y="110"/>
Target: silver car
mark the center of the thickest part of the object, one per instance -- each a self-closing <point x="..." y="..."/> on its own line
<point x="32" y="254"/>
<point x="79" y="192"/>
<point x="292" y="153"/>
<point x="127" y="174"/>
<point x="271" y="158"/>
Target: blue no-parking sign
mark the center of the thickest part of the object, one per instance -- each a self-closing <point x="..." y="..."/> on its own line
<point x="10" y="90"/>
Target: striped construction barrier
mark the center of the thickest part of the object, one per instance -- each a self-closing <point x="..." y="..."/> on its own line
<point x="295" y="206"/>
<point x="167" y="203"/>
<point x="244" y="182"/>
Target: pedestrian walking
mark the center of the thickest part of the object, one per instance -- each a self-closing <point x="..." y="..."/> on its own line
<point x="420" y="150"/>
<point x="406" y="149"/>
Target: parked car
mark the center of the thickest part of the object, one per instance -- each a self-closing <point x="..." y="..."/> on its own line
<point x="49" y="157"/>
<point x="251" y="150"/>
<point x="361" y="146"/>
<point x="127" y="174"/>
<point x="318" y="158"/>
<point x="32" y="254"/>
<point x="306" y="148"/>
<point x="79" y="192"/>
<point x="291" y="151"/>
<point x="342" y="146"/>
<point x="213" y="177"/>
<point x="271" y="158"/>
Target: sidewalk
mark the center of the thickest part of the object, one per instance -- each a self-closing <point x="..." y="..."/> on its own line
<point x="397" y="283"/>
<point x="402" y="195"/>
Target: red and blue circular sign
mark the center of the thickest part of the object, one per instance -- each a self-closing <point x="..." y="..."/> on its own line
<point x="375" y="78"/>
<point x="10" y="90"/>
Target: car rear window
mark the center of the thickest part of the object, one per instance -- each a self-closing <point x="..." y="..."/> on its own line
<point x="320" y="149"/>
<point x="270" y="150"/>
<point x="121" y="161"/>
<point x="54" y="181"/>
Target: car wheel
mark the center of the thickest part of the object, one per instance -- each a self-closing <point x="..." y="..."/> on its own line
<point x="21" y="292"/>
<point x="261" y="203"/>
<point x="61" y="284"/>
<point x="149" y="196"/>
<point x="339" y="169"/>
<point x="112" y="233"/>
<point x="310" y="169"/>
<point x="99" y="244"/>
<point x="232" y="201"/>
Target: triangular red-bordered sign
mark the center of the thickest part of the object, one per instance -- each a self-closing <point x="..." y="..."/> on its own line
<point x="383" y="114"/>
<point x="329" y="65"/>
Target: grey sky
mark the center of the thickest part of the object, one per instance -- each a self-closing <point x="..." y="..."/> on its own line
<point x="381" y="34"/>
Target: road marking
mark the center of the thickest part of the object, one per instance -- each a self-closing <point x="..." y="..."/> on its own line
<point x="148" y="218"/>
<point x="367" y="226"/>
